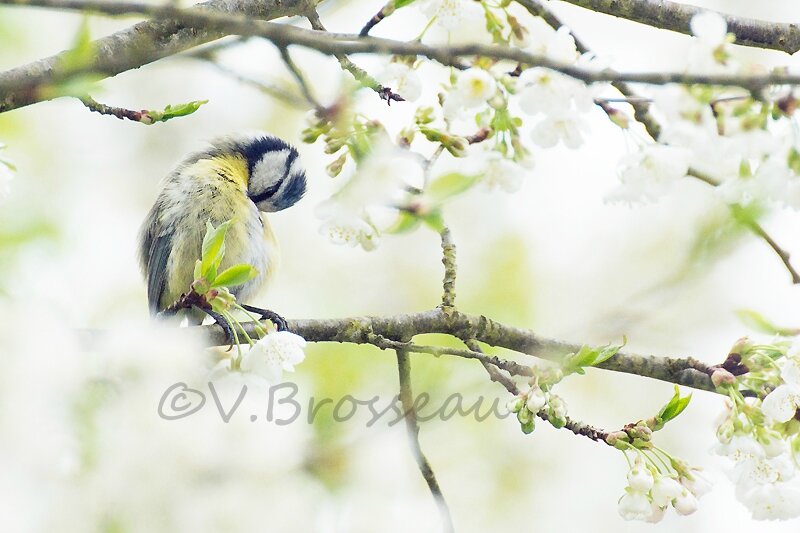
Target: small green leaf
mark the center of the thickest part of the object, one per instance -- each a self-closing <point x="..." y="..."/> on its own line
<point x="584" y="357"/>
<point x="82" y="53"/>
<point x="405" y="222"/>
<point x="448" y="185"/>
<point x="435" y="221"/>
<point x="402" y="3"/>
<point x="170" y="112"/>
<point x="213" y="249"/>
<point x="674" y="407"/>
<point x="758" y="322"/>
<point x="607" y="352"/>
<point x="235" y="275"/>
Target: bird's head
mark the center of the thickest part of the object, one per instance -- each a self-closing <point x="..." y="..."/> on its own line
<point x="275" y="179"/>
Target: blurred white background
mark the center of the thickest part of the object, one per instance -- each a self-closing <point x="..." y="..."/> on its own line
<point x="555" y="257"/>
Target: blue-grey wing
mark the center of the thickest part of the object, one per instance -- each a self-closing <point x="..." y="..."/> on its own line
<point x="157" y="269"/>
<point x="156" y="244"/>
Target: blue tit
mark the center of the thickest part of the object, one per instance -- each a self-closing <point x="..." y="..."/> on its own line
<point x="237" y="179"/>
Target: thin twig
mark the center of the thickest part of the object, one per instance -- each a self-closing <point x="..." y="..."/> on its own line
<point x="784" y="255"/>
<point x="119" y="112"/>
<point x="360" y="75"/>
<point x="575" y="426"/>
<point x="298" y="76"/>
<point x="376" y="19"/>
<point x="273" y="91"/>
<point x="509" y="366"/>
<point x="412" y="427"/>
<point x="449" y="262"/>
<point x="494" y="373"/>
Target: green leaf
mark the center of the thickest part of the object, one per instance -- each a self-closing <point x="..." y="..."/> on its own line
<point x="405" y="222"/>
<point x="435" y="221"/>
<point x="758" y="322"/>
<point x="584" y="357"/>
<point x="607" y="352"/>
<point x="78" y="85"/>
<point x="82" y="53"/>
<point x="213" y="249"/>
<point x="402" y="3"/>
<point x="588" y="356"/>
<point x="172" y="111"/>
<point x="235" y="275"/>
<point x="674" y="407"/>
<point x="448" y="185"/>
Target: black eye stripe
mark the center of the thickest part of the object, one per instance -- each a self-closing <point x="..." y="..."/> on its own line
<point x="267" y="193"/>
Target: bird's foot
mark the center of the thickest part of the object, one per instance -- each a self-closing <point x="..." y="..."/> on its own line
<point x="272" y="316"/>
<point x="221" y="322"/>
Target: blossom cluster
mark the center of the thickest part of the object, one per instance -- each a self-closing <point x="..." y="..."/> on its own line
<point x="533" y="401"/>
<point x="650" y="492"/>
<point x="761" y="438"/>
<point x="489" y="115"/>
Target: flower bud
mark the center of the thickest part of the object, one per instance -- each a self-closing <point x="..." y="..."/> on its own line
<point x="697" y="484"/>
<point x="536" y="400"/>
<point x="720" y="377"/>
<point x="528" y="427"/>
<point x="666" y="489"/>
<point x="725" y="432"/>
<point x="685" y="504"/>
<point x="524" y="416"/>
<point x="640" y="431"/>
<point x="634" y="506"/>
<point x="515" y="404"/>
<point x="640" y="479"/>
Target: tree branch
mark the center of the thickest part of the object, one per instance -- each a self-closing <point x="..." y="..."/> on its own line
<point x="412" y="427"/>
<point x="676" y="17"/>
<point x="131" y="48"/>
<point x="126" y="50"/>
<point x="359" y="330"/>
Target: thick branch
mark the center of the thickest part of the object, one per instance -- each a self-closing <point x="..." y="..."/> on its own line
<point x="125" y="50"/>
<point x="676" y="17"/>
<point x="360" y="330"/>
<point x="131" y="48"/>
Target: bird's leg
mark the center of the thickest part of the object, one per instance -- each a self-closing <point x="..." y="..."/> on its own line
<point x="272" y="316"/>
<point x="221" y="322"/>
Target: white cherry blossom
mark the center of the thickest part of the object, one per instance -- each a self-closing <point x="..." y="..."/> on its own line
<point x="273" y="354"/>
<point x="475" y="86"/>
<point x="782" y="403"/>
<point x="635" y="506"/>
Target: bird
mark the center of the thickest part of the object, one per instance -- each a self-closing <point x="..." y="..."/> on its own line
<point x="237" y="178"/>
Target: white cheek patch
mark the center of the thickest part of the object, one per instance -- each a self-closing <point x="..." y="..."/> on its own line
<point x="268" y="171"/>
<point x="294" y="169"/>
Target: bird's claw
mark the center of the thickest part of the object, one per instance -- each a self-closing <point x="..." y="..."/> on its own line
<point x="272" y="316"/>
<point x="223" y="323"/>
